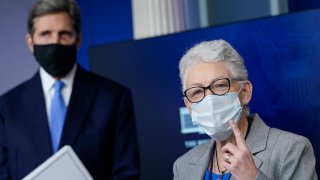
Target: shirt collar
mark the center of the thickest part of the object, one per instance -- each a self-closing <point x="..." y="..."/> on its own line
<point x="48" y="81"/>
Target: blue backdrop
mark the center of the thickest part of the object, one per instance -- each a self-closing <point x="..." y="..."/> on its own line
<point x="103" y="22"/>
<point x="282" y="57"/>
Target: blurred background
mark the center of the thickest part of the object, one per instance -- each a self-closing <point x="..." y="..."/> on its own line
<point x="138" y="43"/>
<point x="111" y="21"/>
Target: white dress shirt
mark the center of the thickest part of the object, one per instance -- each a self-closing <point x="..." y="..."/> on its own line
<point x="48" y="81"/>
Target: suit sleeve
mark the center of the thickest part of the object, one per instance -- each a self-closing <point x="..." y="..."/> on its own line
<point x="298" y="161"/>
<point x="126" y="163"/>
<point x="3" y="149"/>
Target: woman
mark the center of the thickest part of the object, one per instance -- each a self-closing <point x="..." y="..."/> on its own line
<point x="217" y="90"/>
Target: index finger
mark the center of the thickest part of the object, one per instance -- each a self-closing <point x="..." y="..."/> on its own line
<point x="241" y="142"/>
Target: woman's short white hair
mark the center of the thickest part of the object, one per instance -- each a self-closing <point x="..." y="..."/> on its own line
<point x="213" y="52"/>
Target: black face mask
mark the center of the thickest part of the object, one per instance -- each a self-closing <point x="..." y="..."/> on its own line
<point x="56" y="59"/>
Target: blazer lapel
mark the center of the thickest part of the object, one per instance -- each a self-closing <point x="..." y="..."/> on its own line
<point x="82" y="95"/>
<point x="199" y="164"/>
<point x="257" y="138"/>
<point x="37" y="121"/>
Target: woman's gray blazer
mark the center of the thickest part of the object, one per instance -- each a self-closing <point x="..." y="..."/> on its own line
<point x="278" y="154"/>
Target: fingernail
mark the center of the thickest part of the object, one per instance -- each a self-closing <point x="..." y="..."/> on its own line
<point x="230" y="123"/>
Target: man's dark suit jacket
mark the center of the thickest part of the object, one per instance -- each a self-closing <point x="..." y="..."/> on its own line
<point x="99" y="126"/>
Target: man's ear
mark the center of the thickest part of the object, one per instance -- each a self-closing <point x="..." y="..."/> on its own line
<point x="29" y="42"/>
<point x="188" y="105"/>
<point x="79" y="40"/>
<point x="246" y="92"/>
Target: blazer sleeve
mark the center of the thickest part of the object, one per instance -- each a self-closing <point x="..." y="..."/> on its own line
<point x="175" y="171"/>
<point x="298" y="160"/>
<point x="126" y="160"/>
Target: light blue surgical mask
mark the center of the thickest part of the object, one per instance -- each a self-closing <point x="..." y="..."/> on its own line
<point x="214" y="112"/>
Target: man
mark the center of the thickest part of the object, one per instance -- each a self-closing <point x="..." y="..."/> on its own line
<point x="62" y="104"/>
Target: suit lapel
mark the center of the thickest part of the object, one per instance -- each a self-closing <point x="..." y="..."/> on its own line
<point x="199" y="164"/>
<point x="257" y="138"/>
<point x="82" y="95"/>
<point x="37" y="121"/>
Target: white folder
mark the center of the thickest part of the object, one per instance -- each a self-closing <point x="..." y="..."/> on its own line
<point x="63" y="165"/>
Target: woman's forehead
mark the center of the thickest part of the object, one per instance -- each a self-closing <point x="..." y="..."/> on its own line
<point x="204" y="73"/>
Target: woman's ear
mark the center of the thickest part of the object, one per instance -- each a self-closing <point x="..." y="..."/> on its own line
<point x="246" y="92"/>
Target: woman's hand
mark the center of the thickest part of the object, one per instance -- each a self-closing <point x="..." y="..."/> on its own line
<point x="238" y="158"/>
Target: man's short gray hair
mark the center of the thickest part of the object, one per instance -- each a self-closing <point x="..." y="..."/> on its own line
<point x="213" y="52"/>
<point x="44" y="7"/>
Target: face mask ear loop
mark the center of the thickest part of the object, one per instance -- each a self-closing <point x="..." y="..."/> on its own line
<point x="241" y="87"/>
